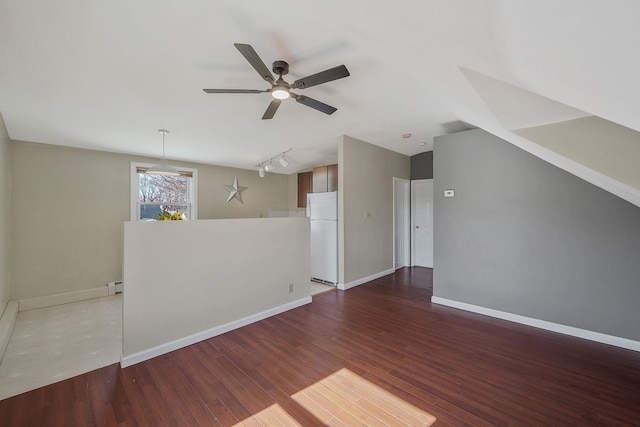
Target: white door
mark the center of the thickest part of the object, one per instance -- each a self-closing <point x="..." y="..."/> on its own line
<point x="401" y="223"/>
<point x="422" y="222"/>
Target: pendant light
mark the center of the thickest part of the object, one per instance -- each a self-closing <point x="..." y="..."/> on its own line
<point x="163" y="167"/>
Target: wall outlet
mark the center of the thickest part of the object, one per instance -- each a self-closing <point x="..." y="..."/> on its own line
<point x="449" y="193"/>
<point x="290" y="287"/>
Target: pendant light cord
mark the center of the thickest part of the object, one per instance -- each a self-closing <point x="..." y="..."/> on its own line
<point x="163" y="132"/>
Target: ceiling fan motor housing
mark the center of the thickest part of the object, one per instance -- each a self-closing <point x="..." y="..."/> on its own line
<point x="281" y="68"/>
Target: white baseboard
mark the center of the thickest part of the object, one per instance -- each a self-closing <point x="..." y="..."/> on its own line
<point x="7" y="322"/>
<point x="141" y="356"/>
<point x="64" y="298"/>
<point x="542" y="324"/>
<point x="345" y="286"/>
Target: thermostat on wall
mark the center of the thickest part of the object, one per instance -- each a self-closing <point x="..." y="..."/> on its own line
<point x="449" y="193"/>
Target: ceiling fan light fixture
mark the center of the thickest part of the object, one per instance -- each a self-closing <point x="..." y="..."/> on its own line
<point x="280" y="88"/>
<point x="279" y="92"/>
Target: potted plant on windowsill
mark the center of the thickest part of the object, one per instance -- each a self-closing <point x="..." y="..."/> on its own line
<point x="168" y="216"/>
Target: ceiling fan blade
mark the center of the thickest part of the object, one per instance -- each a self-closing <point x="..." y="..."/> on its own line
<point x="250" y="55"/>
<point x="271" y="109"/>
<point x="234" y="91"/>
<point x="317" y="105"/>
<point x="331" y="74"/>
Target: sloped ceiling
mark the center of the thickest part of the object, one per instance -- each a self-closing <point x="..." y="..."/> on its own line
<point x="107" y="75"/>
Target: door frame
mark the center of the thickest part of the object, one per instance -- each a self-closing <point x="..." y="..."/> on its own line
<point x="406" y="207"/>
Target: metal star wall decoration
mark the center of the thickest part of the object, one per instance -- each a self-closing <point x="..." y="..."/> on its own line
<point x="235" y="191"/>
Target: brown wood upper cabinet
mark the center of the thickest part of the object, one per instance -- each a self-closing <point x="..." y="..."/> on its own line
<point x="325" y="178"/>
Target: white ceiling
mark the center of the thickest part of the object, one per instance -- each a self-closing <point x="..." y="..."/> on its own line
<point x="106" y="75"/>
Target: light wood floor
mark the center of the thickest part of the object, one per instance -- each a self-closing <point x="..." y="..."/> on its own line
<point x="378" y="354"/>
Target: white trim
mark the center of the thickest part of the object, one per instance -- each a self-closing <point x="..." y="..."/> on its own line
<point x="150" y="353"/>
<point x="406" y="184"/>
<point x="64" y="298"/>
<point x="542" y="324"/>
<point x="133" y="191"/>
<point x="7" y="322"/>
<point x="359" y="282"/>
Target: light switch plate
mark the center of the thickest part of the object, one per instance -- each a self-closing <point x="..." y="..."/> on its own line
<point x="449" y="193"/>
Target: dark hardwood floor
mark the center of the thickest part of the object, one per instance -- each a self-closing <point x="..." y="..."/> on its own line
<point x="392" y="348"/>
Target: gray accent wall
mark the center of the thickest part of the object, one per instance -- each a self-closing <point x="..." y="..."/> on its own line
<point x="422" y="166"/>
<point x="525" y="237"/>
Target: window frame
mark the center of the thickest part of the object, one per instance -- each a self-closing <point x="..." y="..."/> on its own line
<point x="192" y="190"/>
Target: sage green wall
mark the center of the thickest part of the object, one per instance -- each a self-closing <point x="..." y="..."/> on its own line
<point x="5" y="214"/>
<point x="264" y="195"/>
<point x="68" y="207"/>
<point x="365" y="182"/>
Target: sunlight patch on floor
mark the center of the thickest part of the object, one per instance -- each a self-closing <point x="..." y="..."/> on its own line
<point x="346" y="398"/>
<point x="274" y="415"/>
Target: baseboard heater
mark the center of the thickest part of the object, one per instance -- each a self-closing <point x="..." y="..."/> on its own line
<point x="323" y="282"/>
<point x="115" y="288"/>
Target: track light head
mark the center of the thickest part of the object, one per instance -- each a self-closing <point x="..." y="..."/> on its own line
<point x="269" y="166"/>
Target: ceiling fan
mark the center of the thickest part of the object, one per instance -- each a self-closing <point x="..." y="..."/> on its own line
<point x="280" y="89"/>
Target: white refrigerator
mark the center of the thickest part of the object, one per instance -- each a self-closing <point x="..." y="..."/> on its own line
<point x="322" y="210"/>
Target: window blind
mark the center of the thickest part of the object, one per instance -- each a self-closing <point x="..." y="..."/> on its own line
<point x="141" y="169"/>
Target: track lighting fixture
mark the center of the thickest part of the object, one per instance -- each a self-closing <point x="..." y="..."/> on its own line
<point x="268" y="165"/>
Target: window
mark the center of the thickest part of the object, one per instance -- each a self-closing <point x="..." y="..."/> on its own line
<point x="151" y="195"/>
